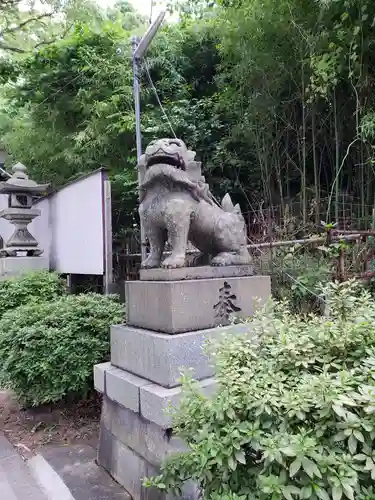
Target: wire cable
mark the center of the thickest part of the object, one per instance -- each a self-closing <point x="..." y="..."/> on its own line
<point x="157" y="98"/>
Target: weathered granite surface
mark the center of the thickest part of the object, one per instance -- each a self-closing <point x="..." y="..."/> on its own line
<point x="157" y="400"/>
<point x="132" y="449"/>
<point x="177" y="206"/>
<point x="150" y="401"/>
<point x="149" y="440"/>
<point x="185" y="306"/>
<point x="126" y="466"/>
<point x="194" y="273"/>
<point x="14" y="266"/>
<point x="124" y="388"/>
<point x="160" y="357"/>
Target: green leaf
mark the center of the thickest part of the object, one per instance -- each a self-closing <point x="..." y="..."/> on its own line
<point x="306" y="492"/>
<point x="240" y="457"/>
<point x="289" y="451"/>
<point x="369" y="464"/>
<point x="359" y="436"/>
<point x="287" y="494"/>
<point x="348" y="490"/>
<point x="321" y="493"/>
<point x="289" y="491"/>
<point x="336" y="493"/>
<point x="339" y="437"/>
<point x="310" y="467"/>
<point x="232" y="463"/>
<point x="352" y="443"/>
<point x="231" y="414"/>
<point x="339" y="410"/>
<point x="294" y="467"/>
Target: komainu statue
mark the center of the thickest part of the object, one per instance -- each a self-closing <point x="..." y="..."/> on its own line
<point x="176" y="206"/>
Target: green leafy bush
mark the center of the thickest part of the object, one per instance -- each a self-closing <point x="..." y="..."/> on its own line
<point x="48" y="349"/>
<point x="41" y="285"/>
<point x="299" y="272"/>
<point x="294" y="416"/>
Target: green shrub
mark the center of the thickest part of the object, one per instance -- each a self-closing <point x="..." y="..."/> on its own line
<point x="294" y="416"/>
<point x="298" y="273"/>
<point x="48" y="349"/>
<point x="38" y="286"/>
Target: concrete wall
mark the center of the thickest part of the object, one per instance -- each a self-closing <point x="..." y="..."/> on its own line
<point x="72" y="228"/>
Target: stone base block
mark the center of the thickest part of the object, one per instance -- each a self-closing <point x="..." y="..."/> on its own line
<point x="126" y="467"/>
<point x="99" y="376"/>
<point x="14" y="266"/>
<point x="161" y="357"/>
<point x="150" y="401"/>
<point x="195" y="273"/>
<point x="189" y="305"/>
<point x="129" y="469"/>
<point x="145" y="438"/>
<point x="132" y="448"/>
<point x="156" y="401"/>
<point x="119" y="386"/>
<point x="124" y="388"/>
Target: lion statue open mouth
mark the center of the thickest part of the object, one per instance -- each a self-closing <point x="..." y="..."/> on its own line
<point x="176" y="206"/>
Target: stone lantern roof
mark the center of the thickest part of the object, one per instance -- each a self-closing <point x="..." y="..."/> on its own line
<point x="20" y="182"/>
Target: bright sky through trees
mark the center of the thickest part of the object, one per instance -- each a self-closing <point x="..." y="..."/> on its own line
<point x="143" y="6"/>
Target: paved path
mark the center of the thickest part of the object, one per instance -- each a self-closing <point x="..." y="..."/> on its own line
<point x="16" y="481"/>
<point x="77" y="468"/>
<point x="57" y="473"/>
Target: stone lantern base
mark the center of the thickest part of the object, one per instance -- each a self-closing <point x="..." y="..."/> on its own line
<point x="15" y="266"/>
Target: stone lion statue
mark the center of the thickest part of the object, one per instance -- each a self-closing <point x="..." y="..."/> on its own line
<point x="176" y="206"/>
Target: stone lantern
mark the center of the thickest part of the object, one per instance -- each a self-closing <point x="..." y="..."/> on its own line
<point x="20" y="212"/>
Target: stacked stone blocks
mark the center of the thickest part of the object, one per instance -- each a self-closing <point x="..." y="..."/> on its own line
<point x="171" y="315"/>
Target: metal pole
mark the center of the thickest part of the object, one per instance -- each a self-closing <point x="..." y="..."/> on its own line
<point x="138" y="136"/>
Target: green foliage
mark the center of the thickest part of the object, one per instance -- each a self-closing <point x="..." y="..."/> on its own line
<point x="83" y="109"/>
<point x="294" y="414"/>
<point x="31" y="287"/>
<point x="48" y="349"/>
<point x="299" y="273"/>
<point x="26" y="25"/>
<point x="283" y="89"/>
<point x="83" y="106"/>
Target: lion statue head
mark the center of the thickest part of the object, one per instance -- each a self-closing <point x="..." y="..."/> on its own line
<point x="169" y="160"/>
<point x="170" y="152"/>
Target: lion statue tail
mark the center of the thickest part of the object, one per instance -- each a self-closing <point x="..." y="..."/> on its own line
<point x="227" y="205"/>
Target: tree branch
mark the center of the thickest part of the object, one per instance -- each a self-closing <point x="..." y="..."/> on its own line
<point x="7" y="31"/>
<point x="5" y="46"/>
<point x="53" y="40"/>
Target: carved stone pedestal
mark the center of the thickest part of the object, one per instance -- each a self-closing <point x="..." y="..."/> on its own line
<point x="169" y="322"/>
<point x="189" y="305"/>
